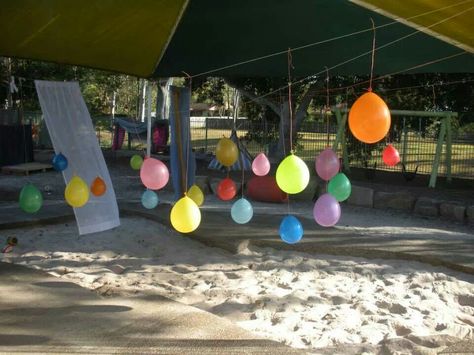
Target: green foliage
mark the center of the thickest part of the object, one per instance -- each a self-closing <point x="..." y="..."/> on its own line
<point x="97" y="86"/>
<point x="210" y="91"/>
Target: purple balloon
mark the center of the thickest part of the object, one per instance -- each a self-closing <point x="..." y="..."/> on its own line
<point x="326" y="211"/>
<point x="327" y="164"/>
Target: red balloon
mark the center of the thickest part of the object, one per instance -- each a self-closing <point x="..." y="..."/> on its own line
<point x="390" y="155"/>
<point x="98" y="187"/>
<point x="226" y="190"/>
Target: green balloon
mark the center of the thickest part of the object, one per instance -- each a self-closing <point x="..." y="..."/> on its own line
<point x="31" y="199"/>
<point x="136" y="162"/>
<point x="340" y="187"/>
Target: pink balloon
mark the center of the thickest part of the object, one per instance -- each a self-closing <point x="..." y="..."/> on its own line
<point x="327" y="164"/>
<point x="261" y="165"/>
<point x="326" y="211"/>
<point x="154" y="174"/>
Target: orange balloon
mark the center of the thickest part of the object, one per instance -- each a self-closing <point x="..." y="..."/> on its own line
<point x="98" y="187"/>
<point x="369" y="118"/>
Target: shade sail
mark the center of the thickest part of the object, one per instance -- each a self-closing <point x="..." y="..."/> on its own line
<point x="210" y="36"/>
<point x="119" y="35"/>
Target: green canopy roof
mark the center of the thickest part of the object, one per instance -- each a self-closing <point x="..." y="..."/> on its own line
<point x="161" y="38"/>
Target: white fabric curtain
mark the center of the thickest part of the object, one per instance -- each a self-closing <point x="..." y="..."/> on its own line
<point x="72" y="134"/>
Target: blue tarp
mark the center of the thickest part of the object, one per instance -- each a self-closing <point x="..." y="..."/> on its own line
<point x="131" y="127"/>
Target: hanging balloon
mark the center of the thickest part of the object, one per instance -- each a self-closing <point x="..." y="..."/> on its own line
<point x="226" y="189"/>
<point x="154" y="174"/>
<point x="340" y="187"/>
<point x="292" y="175"/>
<point x="77" y="192"/>
<point x="185" y="215"/>
<point x="327" y="210"/>
<point x="327" y="164"/>
<point x="136" y="162"/>
<point x="241" y="211"/>
<point x="227" y="152"/>
<point x="390" y="155"/>
<point x="98" y="186"/>
<point x="369" y="118"/>
<point x="195" y="194"/>
<point x="59" y="162"/>
<point x="149" y="199"/>
<point x="291" y="230"/>
<point x="30" y="199"/>
<point x="261" y="165"/>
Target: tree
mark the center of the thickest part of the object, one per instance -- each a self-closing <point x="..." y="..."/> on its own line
<point x="278" y="106"/>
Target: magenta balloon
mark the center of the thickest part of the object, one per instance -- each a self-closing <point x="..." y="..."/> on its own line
<point x="154" y="174"/>
<point x="261" y="165"/>
<point x="327" y="164"/>
<point x="326" y="211"/>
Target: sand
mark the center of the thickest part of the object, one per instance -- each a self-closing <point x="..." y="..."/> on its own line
<point x="303" y="300"/>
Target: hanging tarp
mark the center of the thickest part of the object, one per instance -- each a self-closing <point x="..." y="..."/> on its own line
<point x="72" y="134"/>
<point x="182" y="158"/>
<point x="165" y="38"/>
<point x="131" y="127"/>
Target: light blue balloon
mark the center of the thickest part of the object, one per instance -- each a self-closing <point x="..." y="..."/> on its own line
<point x="291" y="230"/>
<point x="149" y="199"/>
<point x="241" y="211"/>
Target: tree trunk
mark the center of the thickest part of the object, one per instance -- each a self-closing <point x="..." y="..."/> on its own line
<point x="283" y="147"/>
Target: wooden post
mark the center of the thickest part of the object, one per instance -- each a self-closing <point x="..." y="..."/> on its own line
<point x="205" y="149"/>
<point x="448" y="148"/>
<point x="439" y="148"/>
<point x="405" y="141"/>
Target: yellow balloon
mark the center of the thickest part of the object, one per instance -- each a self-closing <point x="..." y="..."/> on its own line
<point x="227" y="152"/>
<point x="77" y="192"/>
<point x="195" y="194"/>
<point x="185" y="215"/>
<point x="292" y="175"/>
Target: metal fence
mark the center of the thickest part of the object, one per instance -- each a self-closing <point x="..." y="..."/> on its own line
<point x="415" y="138"/>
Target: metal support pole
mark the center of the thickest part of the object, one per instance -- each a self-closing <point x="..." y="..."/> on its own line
<point x="148" y="126"/>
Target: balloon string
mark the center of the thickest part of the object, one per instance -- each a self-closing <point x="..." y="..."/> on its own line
<point x="290" y="66"/>
<point x="188" y="148"/>
<point x="373" y="56"/>
<point x="243" y="172"/>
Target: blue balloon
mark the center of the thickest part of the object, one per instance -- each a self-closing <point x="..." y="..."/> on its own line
<point x="149" y="199"/>
<point x="59" y="162"/>
<point x="241" y="211"/>
<point x="291" y="230"/>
